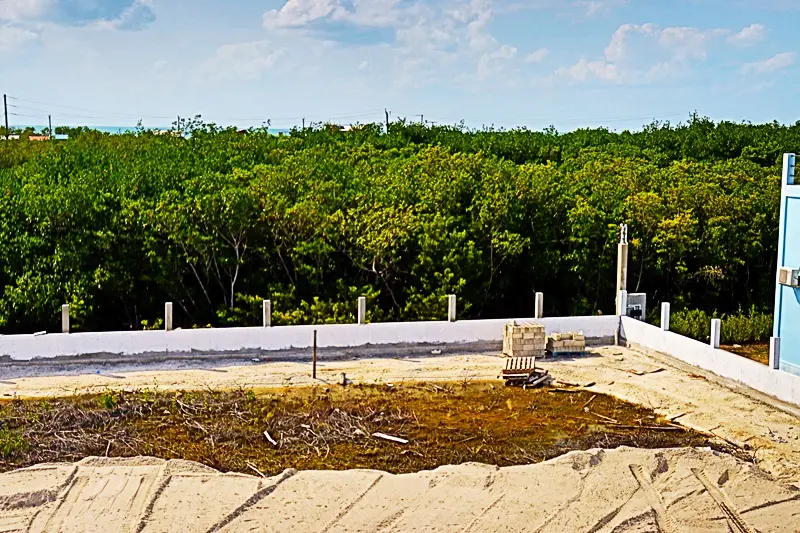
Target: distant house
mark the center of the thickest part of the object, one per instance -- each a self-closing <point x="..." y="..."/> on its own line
<point x="16" y="137"/>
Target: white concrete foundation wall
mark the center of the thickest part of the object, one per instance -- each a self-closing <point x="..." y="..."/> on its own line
<point x="233" y="341"/>
<point x="781" y="385"/>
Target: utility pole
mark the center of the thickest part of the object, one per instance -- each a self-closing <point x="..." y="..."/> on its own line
<point x="387" y="119"/>
<point x="422" y="119"/>
<point x="5" y="109"/>
<point x="304" y="123"/>
<point x="50" y="122"/>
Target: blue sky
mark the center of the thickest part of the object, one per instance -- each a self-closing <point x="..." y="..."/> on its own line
<point x="569" y="63"/>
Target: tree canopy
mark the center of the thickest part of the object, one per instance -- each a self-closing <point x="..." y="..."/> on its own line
<point x="215" y="221"/>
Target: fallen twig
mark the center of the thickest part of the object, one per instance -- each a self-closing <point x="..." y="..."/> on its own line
<point x="270" y="439"/>
<point x="384" y="436"/>
<point x="251" y="466"/>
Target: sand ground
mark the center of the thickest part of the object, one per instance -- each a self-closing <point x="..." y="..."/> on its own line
<point x="595" y="491"/>
<point x="622" y="490"/>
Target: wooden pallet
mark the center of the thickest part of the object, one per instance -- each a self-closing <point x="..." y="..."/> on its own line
<point x="522" y="371"/>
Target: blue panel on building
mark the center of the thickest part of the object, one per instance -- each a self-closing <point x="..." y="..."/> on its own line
<point x="787" y="299"/>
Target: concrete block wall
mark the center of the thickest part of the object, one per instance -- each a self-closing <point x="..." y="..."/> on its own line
<point x="776" y="383"/>
<point x="290" y="342"/>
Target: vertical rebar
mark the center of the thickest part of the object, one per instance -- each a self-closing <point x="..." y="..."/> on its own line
<point x="314" y="358"/>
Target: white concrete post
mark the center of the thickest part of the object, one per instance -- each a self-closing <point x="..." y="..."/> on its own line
<point x="267" y="313"/>
<point x="622" y="262"/>
<point x="539" y="309"/>
<point x="775" y="353"/>
<point x="168" y="316"/>
<point x="716" y="328"/>
<point x="362" y="310"/>
<point x="622" y="303"/>
<point x="451" y="308"/>
<point x="665" y="316"/>
<point x="65" y="318"/>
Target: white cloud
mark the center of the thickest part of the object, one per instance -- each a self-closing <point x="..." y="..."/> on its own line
<point x="22" y="9"/>
<point x="595" y="7"/>
<point x="771" y="64"/>
<point x="752" y="34"/>
<point x="12" y="37"/>
<point x="423" y="40"/>
<point x="136" y="16"/>
<point x="493" y="63"/>
<point x="299" y="13"/>
<point x="537" y="56"/>
<point x="242" y="60"/>
<point x="641" y="53"/>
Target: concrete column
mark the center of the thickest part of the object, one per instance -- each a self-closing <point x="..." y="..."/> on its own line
<point x="451" y="308"/>
<point x="622" y="303"/>
<point x="665" y="316"/>
<point x="362" y="310"/>
<point x="168" y="316"/>
<point x="267" y="313"/>
<point x="775" y="353"/>
<point x="716" y="328"/>
<point x="622" y="263"/>
<point x="539" y="305"/>
<point x="65" y="318"/>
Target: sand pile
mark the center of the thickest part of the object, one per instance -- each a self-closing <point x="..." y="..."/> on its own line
<point x="623" y="490"/>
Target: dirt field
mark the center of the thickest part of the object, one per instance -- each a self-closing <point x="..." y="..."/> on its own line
<point x="757" y="352"/>
<point x="331" y="428"/>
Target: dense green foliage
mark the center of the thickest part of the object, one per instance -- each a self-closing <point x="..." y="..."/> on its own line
<point x="216" y="221"/>
<point x="737" y="328"/>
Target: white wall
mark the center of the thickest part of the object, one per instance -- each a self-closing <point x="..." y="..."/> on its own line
<point x="232" y="341"/>
<point x="777" y="383"/>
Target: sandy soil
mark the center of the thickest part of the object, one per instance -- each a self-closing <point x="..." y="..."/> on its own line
<point x="621" y="491"/>
<point x="765" y="428"/>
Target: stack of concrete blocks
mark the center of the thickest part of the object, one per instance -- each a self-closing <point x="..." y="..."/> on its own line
<point x="524" y="340"/>
<point x="566" y="343"/>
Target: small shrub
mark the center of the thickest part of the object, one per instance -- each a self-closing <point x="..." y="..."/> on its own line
<point x="107" y="400"/>
<point x="12" y="443"/>
<point x="741" y="328"/>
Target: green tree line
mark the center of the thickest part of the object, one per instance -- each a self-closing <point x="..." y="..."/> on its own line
<point x="215" y="221"/>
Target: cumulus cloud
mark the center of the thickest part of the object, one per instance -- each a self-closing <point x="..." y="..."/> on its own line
<point x="301" y="13"/>
<point x="640" y="53"/>
<point x="752" y="34"/>
<point x="118" y="14"/>
<point x="242" y="60"/>
<point x="16" y="10"/>
<point x="12" y="37"/>
<point x="537" y="56"/>
<point x="770" y="64"/>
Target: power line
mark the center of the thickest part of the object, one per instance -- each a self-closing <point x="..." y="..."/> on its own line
<point x="96" y="111"/>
